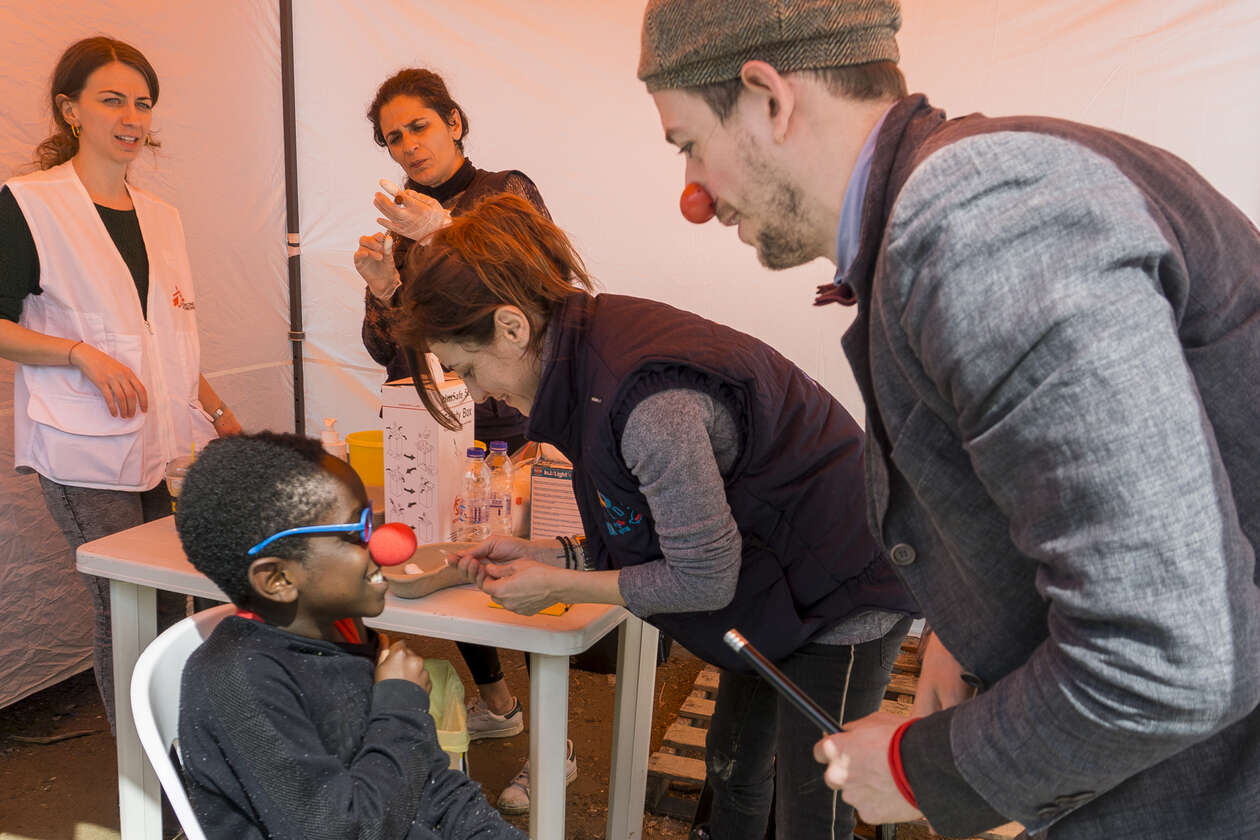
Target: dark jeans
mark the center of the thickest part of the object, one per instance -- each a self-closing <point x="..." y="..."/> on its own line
<point x="84" y="515"/>
<point x="483" y="662"/>
<point x="759" y="744"/>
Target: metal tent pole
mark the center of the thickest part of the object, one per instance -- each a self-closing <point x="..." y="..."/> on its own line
<point x="296" y="334"/>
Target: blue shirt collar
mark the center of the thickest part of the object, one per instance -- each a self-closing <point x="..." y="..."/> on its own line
<point x="849" y="232"/>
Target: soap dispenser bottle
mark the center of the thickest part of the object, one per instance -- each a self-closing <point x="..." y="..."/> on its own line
<point x="333" y="445"/>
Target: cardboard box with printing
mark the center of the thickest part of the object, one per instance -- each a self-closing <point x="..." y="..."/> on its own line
<point x="424" y="462"/>
<point x="553" y="510"/>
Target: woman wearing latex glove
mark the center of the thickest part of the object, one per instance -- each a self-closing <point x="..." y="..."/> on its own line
<point x="416" y="120"/>
<point x="719" y="486"/>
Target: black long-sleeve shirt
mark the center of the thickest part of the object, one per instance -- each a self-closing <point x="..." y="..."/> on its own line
<point x="282" y="736"/>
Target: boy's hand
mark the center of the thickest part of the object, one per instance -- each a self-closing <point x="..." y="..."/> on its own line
<point x="396" y="662"/>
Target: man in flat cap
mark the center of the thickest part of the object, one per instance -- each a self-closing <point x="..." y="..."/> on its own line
<point x="1057" y="340"/>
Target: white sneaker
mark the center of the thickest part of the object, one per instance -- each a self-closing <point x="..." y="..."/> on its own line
<point x="483" y="723"/>
<point x="515" y="797"/>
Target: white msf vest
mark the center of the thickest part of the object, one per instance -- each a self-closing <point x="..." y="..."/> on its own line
<point x="62" y="426"/>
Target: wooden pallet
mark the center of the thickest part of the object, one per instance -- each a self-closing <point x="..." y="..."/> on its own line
<point x="676" y="771"/>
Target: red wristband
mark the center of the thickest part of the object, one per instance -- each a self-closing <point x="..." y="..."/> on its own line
<point x="894" y="763"/>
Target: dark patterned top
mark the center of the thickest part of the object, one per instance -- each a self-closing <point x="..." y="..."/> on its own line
<point x="494" y="420"/>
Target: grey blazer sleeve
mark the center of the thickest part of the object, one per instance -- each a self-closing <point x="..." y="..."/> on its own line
<point x="1028" y="283"/>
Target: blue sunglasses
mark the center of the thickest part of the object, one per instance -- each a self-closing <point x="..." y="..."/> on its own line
<point x="363" y="528"/>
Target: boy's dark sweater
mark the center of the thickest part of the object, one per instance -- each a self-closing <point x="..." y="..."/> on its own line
<point x="287" y="737"/>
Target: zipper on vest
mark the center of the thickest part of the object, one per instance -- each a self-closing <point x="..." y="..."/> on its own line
<point x="149" y="327"/>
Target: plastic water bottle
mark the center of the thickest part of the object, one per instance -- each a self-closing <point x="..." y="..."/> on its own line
<point x="500" y="501"/>
<point x="471" y="521"/>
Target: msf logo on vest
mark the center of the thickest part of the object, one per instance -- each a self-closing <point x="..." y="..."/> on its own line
<point x="619" y="519"/>
<point x="180" y="302"/>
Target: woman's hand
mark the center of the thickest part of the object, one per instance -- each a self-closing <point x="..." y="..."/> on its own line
<point x="374" y="260"/>
<point x="499" y="548"/>
<point x="417" y="218"/>
<point x="122" y="389"/>
<point x="523" y="586"/>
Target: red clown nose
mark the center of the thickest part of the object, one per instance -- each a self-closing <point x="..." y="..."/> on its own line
<point x="696" y="203"/>
<point x="391" y="544"/>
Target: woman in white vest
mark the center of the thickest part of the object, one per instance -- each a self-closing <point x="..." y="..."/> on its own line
<point x="97" y="308"/>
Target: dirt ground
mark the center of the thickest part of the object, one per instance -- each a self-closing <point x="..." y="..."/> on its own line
<point x="68" y="789"/>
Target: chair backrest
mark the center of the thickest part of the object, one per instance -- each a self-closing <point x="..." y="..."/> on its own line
<point x="155" y="703"/>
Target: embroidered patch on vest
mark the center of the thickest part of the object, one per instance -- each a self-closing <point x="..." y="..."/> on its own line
<point x="619" y="519"/>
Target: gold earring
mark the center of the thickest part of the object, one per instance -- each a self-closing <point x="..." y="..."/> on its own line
<point x="74" y="129"/>
<point x="148" y="140"/>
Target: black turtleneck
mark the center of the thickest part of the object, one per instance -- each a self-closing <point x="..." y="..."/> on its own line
<point x="449" y="188"/>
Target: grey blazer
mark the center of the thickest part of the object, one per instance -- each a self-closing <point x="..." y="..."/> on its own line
<point x="1059" y="345"/>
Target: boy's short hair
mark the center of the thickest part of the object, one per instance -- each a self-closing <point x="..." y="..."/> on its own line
<point x="241" y="490"/>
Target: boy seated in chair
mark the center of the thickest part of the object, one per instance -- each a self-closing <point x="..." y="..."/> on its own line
<point x="295" y="720"/>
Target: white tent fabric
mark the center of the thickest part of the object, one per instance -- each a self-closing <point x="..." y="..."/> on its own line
<point x="549" y="88"/>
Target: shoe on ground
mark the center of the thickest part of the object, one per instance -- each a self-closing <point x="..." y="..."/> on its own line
<point x="515" y="797"/>
<point x="483" y="723"/>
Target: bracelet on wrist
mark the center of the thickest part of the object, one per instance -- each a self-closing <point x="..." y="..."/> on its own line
<point x="582" y="557"/>
<point x="896" y="767"/>
<point x="569" y="556"/>
<point x="217" y="413"/>
<point x="70" y="352"/>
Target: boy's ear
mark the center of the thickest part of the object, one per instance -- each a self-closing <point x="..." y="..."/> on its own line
<point x="272" y="579"/>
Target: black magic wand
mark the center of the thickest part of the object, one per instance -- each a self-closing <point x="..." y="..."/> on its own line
<point x="782" y="684"/>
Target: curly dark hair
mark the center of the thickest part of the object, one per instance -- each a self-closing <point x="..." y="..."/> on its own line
<point x="241" y="490"/>
<point x="424" y="85"/>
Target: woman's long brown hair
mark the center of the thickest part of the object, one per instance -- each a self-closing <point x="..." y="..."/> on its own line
<point x="503" y="252"/>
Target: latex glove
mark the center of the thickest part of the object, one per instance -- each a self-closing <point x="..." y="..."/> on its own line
<point x="417" y="218"/>
<point x="857" y="766"/>
<point x="119" y="386"/>
<point x="940" y="680"/>
<point x="374" y="260"/>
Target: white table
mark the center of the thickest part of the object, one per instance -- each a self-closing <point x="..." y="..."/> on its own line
<point x="146" y="558"/>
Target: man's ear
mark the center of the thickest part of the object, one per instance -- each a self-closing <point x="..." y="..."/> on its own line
<point x="770" y="94"/>
<point x="512" y="324"/>
<point x="272" y="579"/>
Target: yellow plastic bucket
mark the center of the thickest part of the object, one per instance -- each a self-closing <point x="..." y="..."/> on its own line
<point x="367" y="455"/>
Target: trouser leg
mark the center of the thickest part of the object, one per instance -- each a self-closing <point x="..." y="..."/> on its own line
<point x="85" y="514"/>
<point x="739" y="756"/>
<point x="483" y="662"/>
<point x="849" y="681"/>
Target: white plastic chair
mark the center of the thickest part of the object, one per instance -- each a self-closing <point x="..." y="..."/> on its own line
<point x="155" y="703"/>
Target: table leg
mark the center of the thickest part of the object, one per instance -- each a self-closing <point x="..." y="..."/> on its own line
<point x="133" y="617"/>
<point x="632" y="734"/>
<point x="548" y="731"/>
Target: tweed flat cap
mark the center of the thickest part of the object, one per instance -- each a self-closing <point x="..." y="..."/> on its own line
<point x="699" y="42"/>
